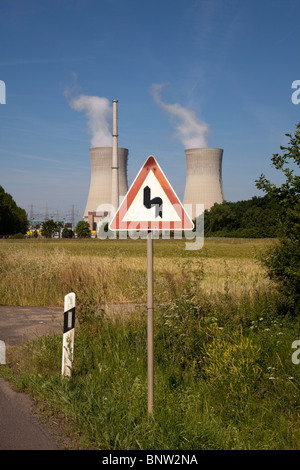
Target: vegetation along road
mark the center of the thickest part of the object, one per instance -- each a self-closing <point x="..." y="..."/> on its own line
<point x="224" y="378"/>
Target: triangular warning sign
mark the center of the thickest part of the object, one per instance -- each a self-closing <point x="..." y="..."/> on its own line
<point x="151" y="203"/>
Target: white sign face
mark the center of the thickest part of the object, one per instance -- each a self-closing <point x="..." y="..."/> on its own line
<point x="151" y="203"/>
<point x="139" y="211"/>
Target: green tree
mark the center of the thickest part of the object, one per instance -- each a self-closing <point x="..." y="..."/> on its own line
<point x="66" y="233"/>
<point x="59" y="227"/>
<point x="83" y="229"/>
<point x="283" y="261"/>
<point x="13" y="219"/>
<point x="49" y="228"/>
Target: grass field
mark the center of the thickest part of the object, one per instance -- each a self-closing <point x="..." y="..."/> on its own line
<point x="109" y="271"/>
<point x="224" y="375"/>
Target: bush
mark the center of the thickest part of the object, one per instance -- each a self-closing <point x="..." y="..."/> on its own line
<point x="283" y="261"/>
<point x="66" y="233"/>
<point x="17" y="236"/>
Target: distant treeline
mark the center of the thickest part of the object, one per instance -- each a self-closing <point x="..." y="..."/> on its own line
<point x="259" y="217"/>
<point x="13" y="219"/>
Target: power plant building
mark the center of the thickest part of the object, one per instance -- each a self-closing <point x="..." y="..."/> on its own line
<point x="203" y="179"/>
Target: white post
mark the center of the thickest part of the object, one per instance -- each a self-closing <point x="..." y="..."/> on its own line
<point x="68" y="335"/>
<point x="2" y="352"/>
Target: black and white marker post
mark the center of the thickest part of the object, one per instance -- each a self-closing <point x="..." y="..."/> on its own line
<point x="68" y="335"/>
<point x="2" y="352"/>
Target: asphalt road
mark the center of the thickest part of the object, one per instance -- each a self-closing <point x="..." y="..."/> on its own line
<point x="20" y="428"/>
<point x="25" y="323"/>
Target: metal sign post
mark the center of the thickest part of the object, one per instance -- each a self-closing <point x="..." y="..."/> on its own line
<point x="150" y="323"/>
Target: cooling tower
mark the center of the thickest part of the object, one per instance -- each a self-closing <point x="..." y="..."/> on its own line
<point x="100" y="192"/>
<point x="203" y="178"/>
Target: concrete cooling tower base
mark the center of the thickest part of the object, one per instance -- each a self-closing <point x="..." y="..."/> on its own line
<point x="203" y="179"/>
<point x="99" y="201"/>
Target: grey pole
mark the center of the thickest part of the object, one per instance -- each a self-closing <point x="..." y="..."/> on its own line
<point x="115" y="162"/>
<point x="150" y="323"/>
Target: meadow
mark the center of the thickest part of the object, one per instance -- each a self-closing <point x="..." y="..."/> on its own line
<point x="41" y="272"/>
<point x="224" y="375"/>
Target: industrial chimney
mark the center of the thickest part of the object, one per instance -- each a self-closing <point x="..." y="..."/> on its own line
<point x="115" y="163"/>
<point x="203" y="178"/>
<point x="100" y="193"/>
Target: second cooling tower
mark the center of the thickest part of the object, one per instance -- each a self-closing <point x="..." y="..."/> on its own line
<point x="100" y="193"/>
<point x="203" y="179"/>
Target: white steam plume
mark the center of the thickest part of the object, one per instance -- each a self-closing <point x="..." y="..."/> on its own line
<point x="191" y="131"/>
<point x="99" y="113"/>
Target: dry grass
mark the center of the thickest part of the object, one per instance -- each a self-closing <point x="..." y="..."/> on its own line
<point x="35" y="273"/>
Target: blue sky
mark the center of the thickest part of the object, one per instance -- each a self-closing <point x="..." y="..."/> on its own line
<point x="230" y="62"/>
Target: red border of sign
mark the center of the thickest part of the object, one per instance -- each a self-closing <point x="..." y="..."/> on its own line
<point x="185" y="222"/>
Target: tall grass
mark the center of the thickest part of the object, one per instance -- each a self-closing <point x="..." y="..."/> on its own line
<point x="218" y="384"/>
<point x="41" y="273"/>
